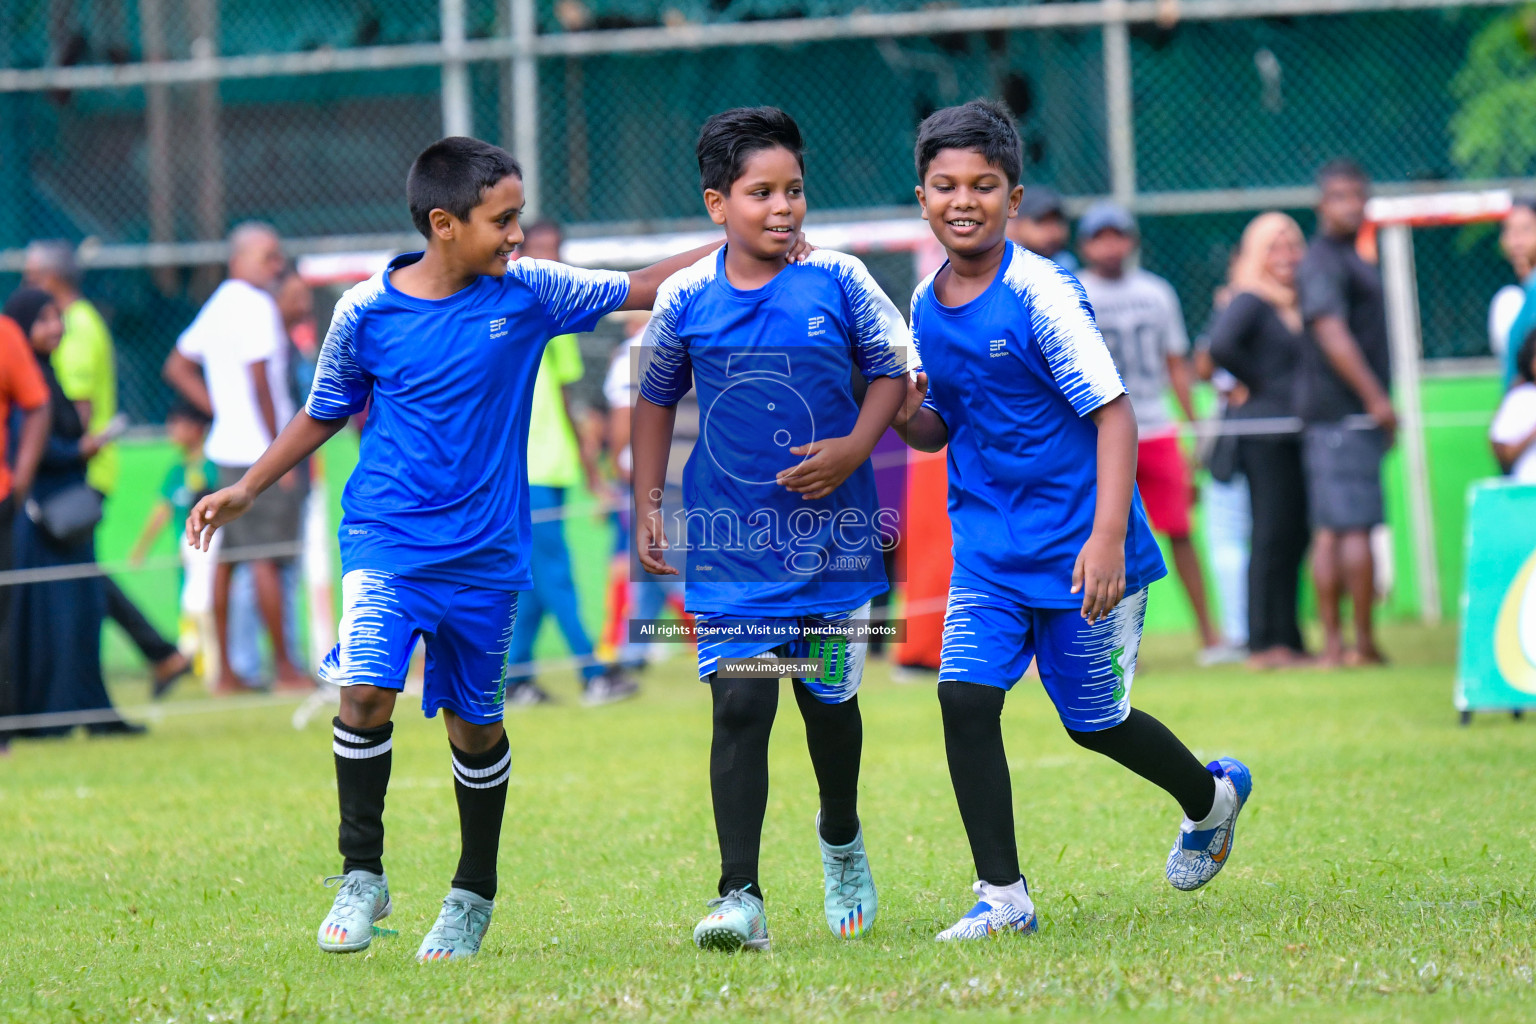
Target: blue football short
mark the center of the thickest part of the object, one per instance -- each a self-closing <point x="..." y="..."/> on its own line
<point x="1087" y="670"/>
<point x="792" y="638"/>
<point x="467" y="632"/>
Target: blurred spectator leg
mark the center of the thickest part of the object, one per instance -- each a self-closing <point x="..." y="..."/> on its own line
<point x="1359" y="566"/>
<point x="1326" y="580"/>
<point x="167" y="663"/>
<point x="244" y="626"/>
<point x="558" y="590"/>
<point x="1278" y="485"/>
<point x="7" y="559"/>
<point x="648" y="600"/>
<point x="225" y="627"/>
<point x="521" y="689"/>
<point x="268" y="577"/>
<point x="1228" y="524"/>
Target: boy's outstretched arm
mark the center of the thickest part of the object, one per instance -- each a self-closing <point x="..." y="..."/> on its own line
<point x="644" y="284"/>
<point x="299" y="440"/>
<point x="921" y="428"/>
<point x="650" y="443"/>
<point x="829" y="462"/>
<point x="1100" y="570"/>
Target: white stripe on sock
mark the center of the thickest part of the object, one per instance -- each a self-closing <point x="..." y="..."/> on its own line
<point x="490" y="784"/>
<point x="357" y="754"/>
<point x="480" y="773"/>
<point x="350" y="737"/>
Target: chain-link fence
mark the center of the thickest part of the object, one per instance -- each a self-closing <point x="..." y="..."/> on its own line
<point x="1227" y="114"/>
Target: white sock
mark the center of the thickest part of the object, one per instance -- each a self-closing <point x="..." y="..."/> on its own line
<point x="1016" y="895"/>
<point x="1226" y="799"/>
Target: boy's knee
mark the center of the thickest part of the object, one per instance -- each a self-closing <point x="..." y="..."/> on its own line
<point x="366" y="707"/>
<point x="473" y="737"/>
<point x="1098" y="740"/>
<point x="970" y="700"/>
<point x="745" y="703"/>
<point x="812" y="707"/>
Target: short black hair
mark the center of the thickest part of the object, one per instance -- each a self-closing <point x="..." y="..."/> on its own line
<point x="452" y="174"/>
<point x="984" y="126"/>
<point x="730" y="137"/>
<point x="1525" y="200"/>
<point x="1341" y="167"/>
<point x="192" y="414"/>
<point x="1525" y="357"/>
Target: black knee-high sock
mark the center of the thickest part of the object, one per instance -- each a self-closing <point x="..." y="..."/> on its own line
<point x="480" y="784"/>
<point x="738" y="775"/>
<point x="978" y="768"/>
<point x="835" y="735"/>
<point x="1145" y="746"/>
<point x="362" y="777"/>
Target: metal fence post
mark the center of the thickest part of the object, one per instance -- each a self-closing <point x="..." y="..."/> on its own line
<point x="525" y="99"/>
<point x="458" y="118"/>
<point x="1117" y="103"/>
<point x="1395" y="242"/>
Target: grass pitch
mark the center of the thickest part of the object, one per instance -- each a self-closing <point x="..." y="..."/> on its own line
<point x="1383" y="870"/>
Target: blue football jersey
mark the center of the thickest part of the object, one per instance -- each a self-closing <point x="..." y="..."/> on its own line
<point x="774" y="369"/>
<point x="1014" y="374"/>
<point x="440" y="487"/>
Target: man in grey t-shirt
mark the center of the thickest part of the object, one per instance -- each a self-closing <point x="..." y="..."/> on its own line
<point x="1143" y="325"/>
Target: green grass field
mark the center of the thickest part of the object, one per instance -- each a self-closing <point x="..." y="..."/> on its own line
<point x="1383" y="871"/>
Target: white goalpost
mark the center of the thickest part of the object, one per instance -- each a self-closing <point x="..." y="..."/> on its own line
<point x="1391" y="221"/>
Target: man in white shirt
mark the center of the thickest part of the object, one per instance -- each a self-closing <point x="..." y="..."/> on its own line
<point x="1139" y="316"/>
<point x="232" y="363"/>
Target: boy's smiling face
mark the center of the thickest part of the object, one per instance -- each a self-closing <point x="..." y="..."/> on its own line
<point x="967" y="201"/>
<point x="763" y="211"/>
<point x="483" y="242"/>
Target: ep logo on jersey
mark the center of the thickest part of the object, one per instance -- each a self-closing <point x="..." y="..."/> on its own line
<point x="499" y="327"/>
<point x="998" y="347"/>
<point x="816" y="326"/>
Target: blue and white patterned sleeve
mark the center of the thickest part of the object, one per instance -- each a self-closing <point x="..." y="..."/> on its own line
<point x="915" y="364"/>
<point x="341" y="386"/>
<point x="669" y="375"/>
<point x="1061" y="322"/>
<point x="669" y="372"/>
<point x="881" y="340"/>
<point x="574" y="298"/>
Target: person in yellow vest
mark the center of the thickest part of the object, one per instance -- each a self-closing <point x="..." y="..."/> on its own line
<point x="86" y="367"/>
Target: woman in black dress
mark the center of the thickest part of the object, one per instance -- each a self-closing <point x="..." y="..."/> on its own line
<point x="57" y="660"/>
<point x="1258" y="339"/>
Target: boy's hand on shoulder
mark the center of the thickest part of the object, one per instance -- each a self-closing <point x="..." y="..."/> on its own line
<point x="917" y="393"/>
<point x="213" y="511"/>
<point x="801" y="250"/>
<point x="1099" y="575"/>
<point x="827" y="464"/>
<point x="651" y="543"/>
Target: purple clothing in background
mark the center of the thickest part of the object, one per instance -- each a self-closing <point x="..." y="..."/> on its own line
<point x="890" y="461"/>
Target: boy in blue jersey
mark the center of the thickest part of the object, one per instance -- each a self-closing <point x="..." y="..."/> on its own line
<point x="442" y="347"/>
<point x="1052" y="550"/>
<point x="783" y="533"/>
